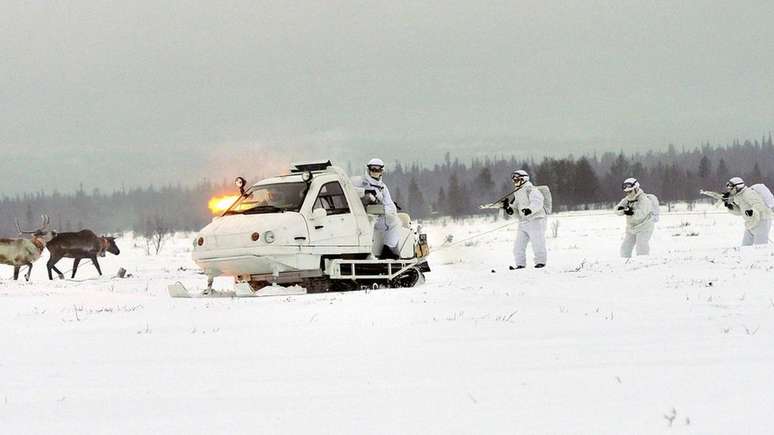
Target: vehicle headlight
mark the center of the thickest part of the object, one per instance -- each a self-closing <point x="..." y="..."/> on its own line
<point x="268" y="237"/>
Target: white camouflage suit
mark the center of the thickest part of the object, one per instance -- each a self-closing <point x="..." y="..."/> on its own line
<point x="387" y="227"/>
<point x="532" y="228"/>
<point x="639" y="226"/>
<point x="757" y="226"/>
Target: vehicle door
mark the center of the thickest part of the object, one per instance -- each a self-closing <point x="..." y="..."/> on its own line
<point x="337" y="226"/>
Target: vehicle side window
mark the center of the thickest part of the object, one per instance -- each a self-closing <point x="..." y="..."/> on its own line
<point x="332" y="199"/>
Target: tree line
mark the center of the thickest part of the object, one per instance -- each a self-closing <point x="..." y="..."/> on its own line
<point x="453" y="188"/>
<point x="144" y="211"/>
<point x="449" y="188"/>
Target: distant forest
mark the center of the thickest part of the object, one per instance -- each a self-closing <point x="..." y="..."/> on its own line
<point x="449" y="188"/>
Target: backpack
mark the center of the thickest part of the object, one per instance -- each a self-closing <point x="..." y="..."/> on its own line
<point x="548" y="205"/>
<point x="765" y="193"/>
<point x="655" y="206"/>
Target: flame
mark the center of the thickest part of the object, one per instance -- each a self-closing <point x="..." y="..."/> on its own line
<point x="219" y="204"/>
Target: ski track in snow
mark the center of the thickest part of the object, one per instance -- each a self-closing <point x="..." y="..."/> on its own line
<point x="681" y="341"/>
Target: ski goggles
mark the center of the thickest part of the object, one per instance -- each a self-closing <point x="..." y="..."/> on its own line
<point x="376" y="169"/>
<point x="731" y="185"/>
<point x="628" y="185"/>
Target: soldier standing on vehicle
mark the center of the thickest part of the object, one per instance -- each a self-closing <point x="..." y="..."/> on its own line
<point x="747" y="202"/>
<point x="387" y="227"/>
<point x="641" y="211"/>
<point x="527" y="204"/>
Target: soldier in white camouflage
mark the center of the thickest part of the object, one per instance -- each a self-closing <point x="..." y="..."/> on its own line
<point x="640" y="218"/>
<point x="746" y="202"/>
<point x="527" y="205"/>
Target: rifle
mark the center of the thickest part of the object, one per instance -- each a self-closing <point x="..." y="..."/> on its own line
<point x="719" y="198"/>
<point x="714" y="195"/>
<point x="498" y="203"/>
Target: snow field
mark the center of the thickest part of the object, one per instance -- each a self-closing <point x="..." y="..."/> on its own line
<point x="681" y="341"/>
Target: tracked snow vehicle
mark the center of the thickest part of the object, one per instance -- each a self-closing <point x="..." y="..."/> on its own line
<point x="308" y="231"/>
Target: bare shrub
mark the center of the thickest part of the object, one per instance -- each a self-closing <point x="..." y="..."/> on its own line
<point x="156" y="231"/>
<point x="555" y="228"/>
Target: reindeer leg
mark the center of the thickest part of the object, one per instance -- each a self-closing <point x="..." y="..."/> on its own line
<point x="96" y="264"/>
<point x="29" y="272"/>
<point x="52" y="266"/>
<point x="75" y="266"/>
<point x="58" y="272"/>
<point x="16" y="272"/>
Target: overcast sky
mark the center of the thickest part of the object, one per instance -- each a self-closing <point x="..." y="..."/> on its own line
<point x="140" y="92"/>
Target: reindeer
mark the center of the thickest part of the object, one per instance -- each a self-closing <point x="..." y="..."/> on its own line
<point x="80" y="245"/>
<point x="24" y="252"/>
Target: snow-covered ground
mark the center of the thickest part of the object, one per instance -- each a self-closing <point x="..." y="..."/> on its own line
<point x="678" y="342"/>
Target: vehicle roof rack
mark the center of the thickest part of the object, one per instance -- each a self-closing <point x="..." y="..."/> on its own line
<point x="310" y="166"/>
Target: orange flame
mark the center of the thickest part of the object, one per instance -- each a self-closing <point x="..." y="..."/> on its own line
<point x="219" y="204"/>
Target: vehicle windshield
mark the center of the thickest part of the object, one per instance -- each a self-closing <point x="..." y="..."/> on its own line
<point x="270" y="198"/>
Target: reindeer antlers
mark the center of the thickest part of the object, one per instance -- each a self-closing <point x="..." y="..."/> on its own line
<point x="44" y="225"/>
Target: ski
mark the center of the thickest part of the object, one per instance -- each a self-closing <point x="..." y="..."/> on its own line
<point x="241" y="290"/>
<point x="178" y="290"/>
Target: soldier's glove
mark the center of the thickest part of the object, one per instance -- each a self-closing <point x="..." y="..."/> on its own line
<point x="620" y="207"/>
<point x="509" y="210"/>
<point x="726" y="195"/>
<point x="748" y="212"/>
<point x="371" y="196"/>
<point x="506" y="204"/>
<point x="526" y="211"/>
<point x="729" y="205"/>
<point x="628" y="211"/>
